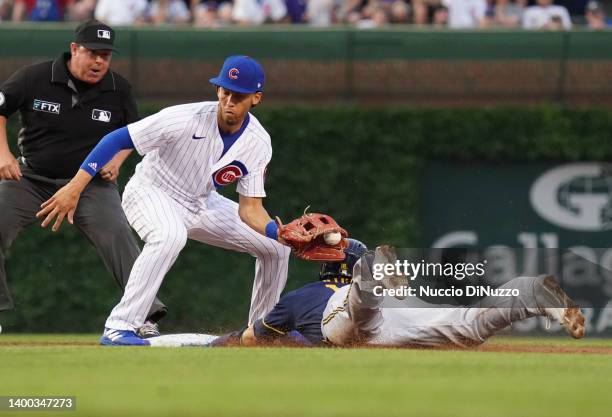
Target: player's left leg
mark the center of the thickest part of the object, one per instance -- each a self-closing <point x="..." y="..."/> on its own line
<point x="159" y="221"/>
<point x="538" y="296"/>
<point x="100" y="218"/>
<point x="470" y="326"/>
<point x="220" y="225"/>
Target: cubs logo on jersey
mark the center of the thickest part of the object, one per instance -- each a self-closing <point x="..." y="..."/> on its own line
<point x="229" y="174"/>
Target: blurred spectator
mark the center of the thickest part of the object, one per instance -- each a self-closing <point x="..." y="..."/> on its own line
<point x="168" y="11"/>
<point x="40" y="10"/>
<point x="225" y="13"/>
<point x="595" y="15"/>
<point x="121" y="12"/>
<point x="440" y="17"/>
<point x="373" y="16"/>
<point x="466" y="14"/>
<point x="489" y="17"/>
<point x="319" y="13"/>
<point x="367" y="13"/>
<point x="296" y="10"/>
<point x="350" y="11"/>
<point x="211" y="13"/>
<point x="256" y="12"/>
<point x="399" y="12"/>
<point x="82" y="10"/>
<point x="555" y="23"/>
<point x="508" y="13"/>
<point x="423" y="9"/>
<point x="504" y="13"/>
<point x="380" y="17"/>
<point x="455" y="14"/>
<point x="547" y="16"/>
<point x="5" y="9"/>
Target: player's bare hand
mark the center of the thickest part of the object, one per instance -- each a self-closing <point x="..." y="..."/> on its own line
<point x="62" y="204"/>
<point x="110" y="171"/>
<point x="280" y="225"/>
<point x="9" y="167"/>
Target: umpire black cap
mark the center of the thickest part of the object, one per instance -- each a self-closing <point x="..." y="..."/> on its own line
<point x="94" y="35"/>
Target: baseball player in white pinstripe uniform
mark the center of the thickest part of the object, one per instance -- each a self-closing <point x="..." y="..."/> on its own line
<point x="189" y="151"/>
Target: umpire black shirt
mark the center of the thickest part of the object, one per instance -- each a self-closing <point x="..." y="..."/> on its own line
<point x="60" y="124"/>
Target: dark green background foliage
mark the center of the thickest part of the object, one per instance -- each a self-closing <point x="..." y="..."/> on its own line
<point x="362" y="166"/>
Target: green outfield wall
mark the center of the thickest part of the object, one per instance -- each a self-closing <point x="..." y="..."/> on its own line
<point x="311" y="66"/>
<point x="368" y="168"/>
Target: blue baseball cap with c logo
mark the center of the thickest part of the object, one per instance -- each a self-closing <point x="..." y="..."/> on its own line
<point x="241" y="74"/>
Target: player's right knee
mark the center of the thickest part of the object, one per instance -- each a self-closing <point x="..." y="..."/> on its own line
<point x="338" y="331"/>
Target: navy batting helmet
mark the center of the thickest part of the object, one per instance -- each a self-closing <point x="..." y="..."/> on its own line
<point x="344" y="268"/>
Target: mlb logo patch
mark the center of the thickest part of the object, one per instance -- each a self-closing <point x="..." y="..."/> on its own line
<point x="46" y="106"/>
<point x="104" y="34"/>
<point x="101" y="115"/>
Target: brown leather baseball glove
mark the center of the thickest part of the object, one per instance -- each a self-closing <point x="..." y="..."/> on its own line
<point x="306" y="236"/>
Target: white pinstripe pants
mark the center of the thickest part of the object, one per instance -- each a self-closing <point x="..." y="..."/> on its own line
<point x="164" y="225"/>
<point x="355" y="315"/>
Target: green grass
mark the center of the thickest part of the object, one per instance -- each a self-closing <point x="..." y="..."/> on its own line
<point x="307" y="382"/>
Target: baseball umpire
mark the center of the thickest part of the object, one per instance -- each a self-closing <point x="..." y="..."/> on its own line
<point x="66" y="106"/>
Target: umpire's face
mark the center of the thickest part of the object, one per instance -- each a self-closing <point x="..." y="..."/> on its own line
<point x="89" y="65"/>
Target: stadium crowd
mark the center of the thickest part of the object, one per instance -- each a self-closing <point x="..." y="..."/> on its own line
<point x="455" y="14"/>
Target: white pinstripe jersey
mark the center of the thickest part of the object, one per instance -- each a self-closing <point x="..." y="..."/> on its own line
<point x="183" y="153"/>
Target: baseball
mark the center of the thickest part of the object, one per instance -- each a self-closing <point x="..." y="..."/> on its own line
<point x="332" y="238"/>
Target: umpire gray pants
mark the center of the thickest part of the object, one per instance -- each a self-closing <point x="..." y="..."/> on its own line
<point x="99" y="217"/>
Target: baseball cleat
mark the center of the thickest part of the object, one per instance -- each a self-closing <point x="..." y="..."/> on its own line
<point x="112" y="337"/>
<point x="149" y="329"/>
<point x="560" y="307"/>
<point x="386" y="254"/>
